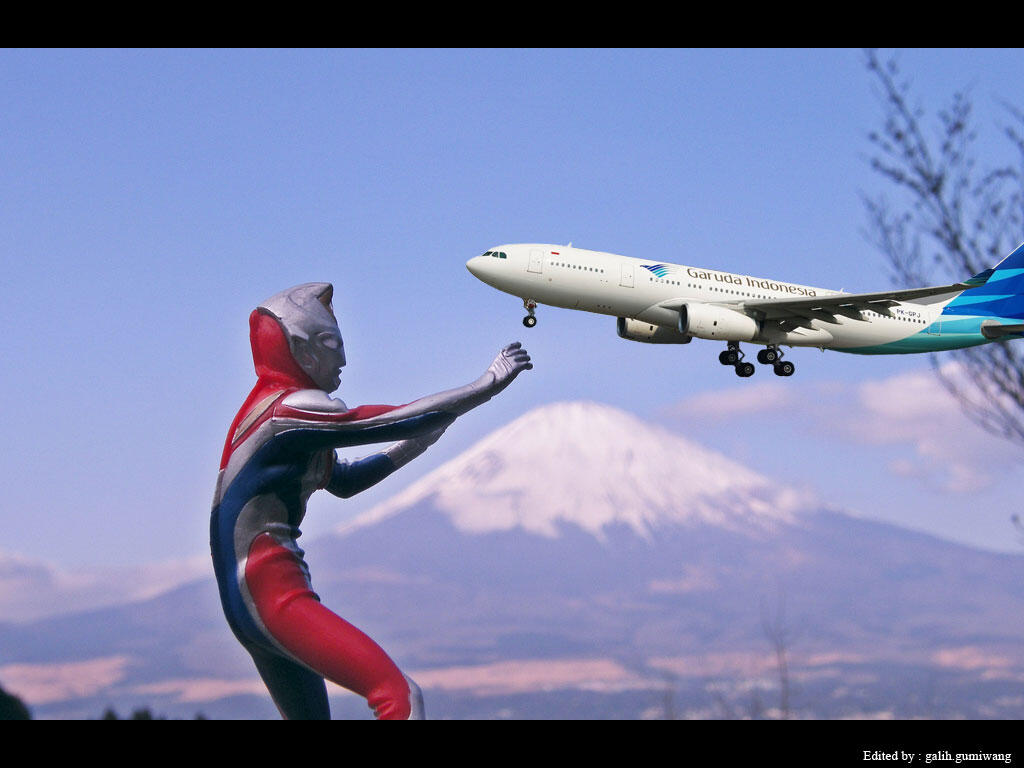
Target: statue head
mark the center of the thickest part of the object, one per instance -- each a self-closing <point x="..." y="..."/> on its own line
<point x="306" y="318"/>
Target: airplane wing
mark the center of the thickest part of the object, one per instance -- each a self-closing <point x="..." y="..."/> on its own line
<point x="801" y="311"/>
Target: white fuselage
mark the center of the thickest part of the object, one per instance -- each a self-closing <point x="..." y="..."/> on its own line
<point x="625" y="287"/>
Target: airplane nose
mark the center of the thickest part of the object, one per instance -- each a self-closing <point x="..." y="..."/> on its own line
<point x="474" y="266"/>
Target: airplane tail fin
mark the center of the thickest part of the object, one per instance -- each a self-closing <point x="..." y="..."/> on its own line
<point x="996" y="292"/>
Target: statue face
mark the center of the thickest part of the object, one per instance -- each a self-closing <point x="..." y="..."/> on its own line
<point x="322" y="356"/>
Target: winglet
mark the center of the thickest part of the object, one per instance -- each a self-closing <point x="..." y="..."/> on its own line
<point x="980" y="279"/>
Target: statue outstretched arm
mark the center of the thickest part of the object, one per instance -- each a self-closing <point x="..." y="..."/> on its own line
<point x="334" y="424"/>
<point x="503" y="370"/>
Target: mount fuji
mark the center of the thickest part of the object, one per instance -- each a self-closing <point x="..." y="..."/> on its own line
<point x="593" y="467"/>
<point x="580" y="531"/>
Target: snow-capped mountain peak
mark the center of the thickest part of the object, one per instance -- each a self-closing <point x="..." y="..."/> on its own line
<point x="593" y="465"/>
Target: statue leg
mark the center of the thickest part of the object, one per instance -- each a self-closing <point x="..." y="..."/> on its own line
<point x="298" y="693"/>
<point x="320" y="639"/>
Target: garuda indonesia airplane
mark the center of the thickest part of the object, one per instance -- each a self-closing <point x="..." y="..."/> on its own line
<point x="661" y="303"/>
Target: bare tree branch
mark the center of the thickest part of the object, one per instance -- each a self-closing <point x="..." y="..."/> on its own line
<point x="950" y="219"/>
<point x="779" y="638"/>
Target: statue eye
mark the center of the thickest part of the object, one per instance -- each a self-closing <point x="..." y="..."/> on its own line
<point x="330" y="341"/>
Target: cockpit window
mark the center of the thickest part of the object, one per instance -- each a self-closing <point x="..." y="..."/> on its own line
<point x="501" y="255"/>
<point x="487" y="254"/>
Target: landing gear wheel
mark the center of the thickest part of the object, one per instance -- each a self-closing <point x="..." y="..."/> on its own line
<point x="784" y="368"/>
<point x="529" y="305"/>
<point x="732" y="354"/>
<point x="743" y="370"/>
<point x="768" y="356"/>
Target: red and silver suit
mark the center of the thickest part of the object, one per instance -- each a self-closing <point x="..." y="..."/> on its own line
<point x="279" y="450"/>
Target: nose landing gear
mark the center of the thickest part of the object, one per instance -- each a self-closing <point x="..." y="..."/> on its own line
<point x="530" y="320"/>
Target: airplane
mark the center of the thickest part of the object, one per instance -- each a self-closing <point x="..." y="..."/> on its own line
<point x="658" y="302"/>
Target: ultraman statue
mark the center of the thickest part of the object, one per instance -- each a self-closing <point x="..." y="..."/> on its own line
<point x="279" y="450"/>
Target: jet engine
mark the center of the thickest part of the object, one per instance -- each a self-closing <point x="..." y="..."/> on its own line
<point x="707" y="321"/>
<point x="636" y="330"/>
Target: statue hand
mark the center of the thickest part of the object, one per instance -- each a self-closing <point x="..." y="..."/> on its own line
<point x="509" y="363"/>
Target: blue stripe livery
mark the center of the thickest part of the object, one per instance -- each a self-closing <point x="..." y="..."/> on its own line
<point x="999" y="291"/>
<point x="659" y="270"/>
<point x="995" y="295"/>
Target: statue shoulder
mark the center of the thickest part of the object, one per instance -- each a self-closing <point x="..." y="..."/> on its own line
<point x="314" y="400"/>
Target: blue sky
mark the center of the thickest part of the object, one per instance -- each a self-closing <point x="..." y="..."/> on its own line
<point x="151" y="198"/>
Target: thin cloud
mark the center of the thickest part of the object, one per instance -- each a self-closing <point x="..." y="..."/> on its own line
<point x="198" y="690"/>
<point x="529" y="675"/>
<point x="914" y="409"/>
<point x="722" y="404"/>
<point x="46" y="683"/>
<point x="32" y="589"/>
<point x="945" y="450"/>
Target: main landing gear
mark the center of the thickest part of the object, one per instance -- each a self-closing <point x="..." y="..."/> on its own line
<point x="530" y="320"/>
<point x="734" y="357"/>
<point x="771" y="356"/>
